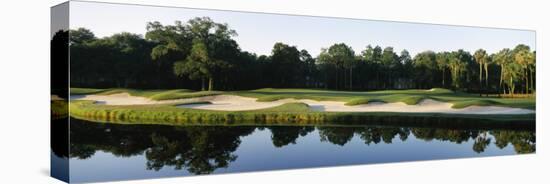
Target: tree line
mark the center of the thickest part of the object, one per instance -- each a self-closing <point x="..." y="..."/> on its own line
<point x="194" y="147"/>
<point x="202" y="54"/>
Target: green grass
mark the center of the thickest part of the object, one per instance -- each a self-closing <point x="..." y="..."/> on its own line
<point x="405" y="98"/>
<point x="410" y="97"/>
<point x="84" y="91"/>
<point x="364" y="100"/>
<point x="297" y="113"/>
<point x="179" y="94"/>
<point x="291" y="112"/>
<point x="466" y="103"/>
<point x="151" y="94"/>
<point x="288" y="107"/>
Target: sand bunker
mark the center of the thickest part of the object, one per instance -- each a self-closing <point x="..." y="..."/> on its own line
<point x="238" y="103"/>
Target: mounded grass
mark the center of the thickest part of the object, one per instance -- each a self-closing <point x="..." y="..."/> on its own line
<point x="170" y="95"/>
<point x="410" y="97"/>
<point x="84" y="91"/>
<point x="466" y="103"/>
<point x="360" y="101"/>
<point x="288" y="107"/>
<point x="297" y="113"/>
<point x="151" y="94"/>
<point x="270" y="98"/>
<point x="291" y="112"/>
<point x="407" y="99"/>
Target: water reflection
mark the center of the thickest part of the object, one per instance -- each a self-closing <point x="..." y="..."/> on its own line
<point x="204" y="149"/>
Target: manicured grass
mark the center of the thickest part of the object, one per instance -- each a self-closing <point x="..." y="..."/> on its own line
<point x="288" y="107"/>
<point x="466" y="103"/>
<point x="410" y="97"/>
<point x="407" y="99"/>
<point x="364" y="100"/>
<point x="84" y="91"/>
<point x="270" y="94"/>
<point x="293" y="112"/>
<point x="179" y="94"/>
<point x="270" y="98"/>
<point x="297" y="113"/>
<point x="152" y="94"/>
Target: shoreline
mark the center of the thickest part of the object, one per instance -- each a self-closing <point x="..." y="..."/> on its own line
<point x="164" y="113"/>
<point x="230" y="103"/>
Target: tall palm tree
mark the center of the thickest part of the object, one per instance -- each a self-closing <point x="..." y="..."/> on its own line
<point x="480" y="57"/>
<point x="457" y="66"/>
<point x="442" y="59"/>
<point x="486" y="67"/>
<point x="502" y="58"/>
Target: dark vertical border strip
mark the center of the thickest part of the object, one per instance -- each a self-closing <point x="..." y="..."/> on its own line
<point x="59" y="108"/>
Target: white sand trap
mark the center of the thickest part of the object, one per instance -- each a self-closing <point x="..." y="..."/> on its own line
<point x="238" y="103"/>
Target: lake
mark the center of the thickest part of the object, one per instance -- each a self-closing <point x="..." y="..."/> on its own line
<point x="102" y="151"/>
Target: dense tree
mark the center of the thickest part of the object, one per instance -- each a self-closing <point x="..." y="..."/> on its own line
<point x="512" y="73"/>
<point x="202" y="54"/>
<point x="424" y="67"/>
<point x="170" y="44"/>
<point x="458" y="63"/>
<point x="81" y="36"/>
<point x="310" y="70"/>
<point x="195" y="66"/>
<point x="341" y="57"/>
<point x="407" y="70"/>
<point x="502" y="58"/>
<point x="442" y="60"/>
<point x="526" y="59"/>
<point x="390" y="64"/>
<point x="286" y="65"/>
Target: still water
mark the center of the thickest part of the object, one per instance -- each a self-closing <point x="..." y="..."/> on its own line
<point x="101" y="152"/>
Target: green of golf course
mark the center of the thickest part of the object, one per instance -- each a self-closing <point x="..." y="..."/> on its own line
<point x="170" y="107"/>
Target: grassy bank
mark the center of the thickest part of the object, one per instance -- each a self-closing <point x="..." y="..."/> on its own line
<point x="411" y="97"/>
<point x="151" y="94"/>
<point x="298" y="113"/>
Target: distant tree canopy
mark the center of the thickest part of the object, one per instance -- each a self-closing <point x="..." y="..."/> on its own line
<point x="202" y="54"/>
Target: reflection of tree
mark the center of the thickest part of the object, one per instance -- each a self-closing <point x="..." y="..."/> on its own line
<point x="82" y="151"/>
<point x="336" y="135"/>
<point x="386" y="134"/>
<point x="201" y="149"/>
<point x="452" y="135"/>
<point x="523" y="141"/>
<point x="481" y="142"/>
<point x="165" y="151"/>
<point x="284" y="135"/>
<point x="120" y="140"/>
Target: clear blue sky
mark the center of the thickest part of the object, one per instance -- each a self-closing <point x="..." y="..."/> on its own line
<point x="258" y="32"/>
